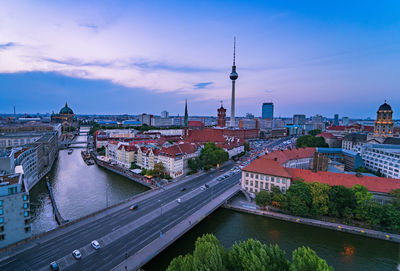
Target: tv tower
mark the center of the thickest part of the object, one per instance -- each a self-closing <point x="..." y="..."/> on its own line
<point x="233" y="76"/>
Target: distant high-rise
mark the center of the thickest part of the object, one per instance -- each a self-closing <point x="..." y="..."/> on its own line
<point x="233" y="76"/>
<point x="345" y="121"/>
<point x="249" y="116"/>
<point x="267" y="111"/>
<point x="336" y="120"/>
<point x="299" y="119"/>
<point x="164" y="114"/>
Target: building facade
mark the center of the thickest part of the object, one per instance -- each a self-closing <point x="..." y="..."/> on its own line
<point x="384" y="124"/>
<point x="267" y="111"/>
<point x="14" y="210"/>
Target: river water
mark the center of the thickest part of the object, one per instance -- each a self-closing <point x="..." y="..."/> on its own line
<point x="80" y="190"/>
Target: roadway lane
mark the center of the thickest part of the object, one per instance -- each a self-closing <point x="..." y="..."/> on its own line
<point x="45" y="252"/>
<point x="131" y="243"/>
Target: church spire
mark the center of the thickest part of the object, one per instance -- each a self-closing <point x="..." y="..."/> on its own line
<point x="186" y="119"/>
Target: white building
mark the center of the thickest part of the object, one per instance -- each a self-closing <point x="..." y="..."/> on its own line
<point x="175" y="158"/>
<point x="381" y="157"/>
<point x="262" y="174"/>
<point x="14" y="210"/>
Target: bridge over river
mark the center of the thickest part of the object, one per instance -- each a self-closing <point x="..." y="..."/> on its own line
<point x="128" y="238"/>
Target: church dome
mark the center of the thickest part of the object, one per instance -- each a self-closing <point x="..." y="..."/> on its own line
<point x="385" y="107"/>
<point x="66" y="110"/>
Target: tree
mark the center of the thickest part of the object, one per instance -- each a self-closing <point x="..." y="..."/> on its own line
<point x="310" y="141"/>
<point x="211" y="155"/>
<point x="263" y="198"/>
<point x="247" y="147"/>
<point x="361" y="193"/>
<point x="181" y="263"/>
<point x="342" y="201"/>
<point x="320" y="198"/>
<point x="208" y="254"/>
<point x="159" y="170"/>
<point x="395" y="194"/>
<point x="195" y="164"/>
<point x="252" y="255"/>
<point x="280" y="201"/>
<point x="134" y="166"/>
<point x="305" y="259"/>
<point x="101" y="151"/>
<point x="299" y="198"/>
<point x="314" y="132"/>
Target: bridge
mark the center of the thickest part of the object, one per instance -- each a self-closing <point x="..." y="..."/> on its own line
<point x="128" y="239"/>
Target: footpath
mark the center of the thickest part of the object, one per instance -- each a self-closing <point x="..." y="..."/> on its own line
<point x="251" y="209"/>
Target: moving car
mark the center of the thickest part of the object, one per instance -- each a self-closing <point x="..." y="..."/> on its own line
<point x="206" y="186"/>
<point x="202" y="188"/>
<point x="54" y="266"/>
<point x="183" y="189"/>
<point x="179" y="200"/>
<point x="77" y="254"/>
<point x="95" y="244"/>
<point x="133" y="207"/>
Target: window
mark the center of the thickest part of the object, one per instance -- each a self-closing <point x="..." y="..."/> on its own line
<point x="272" y="179"/>
<point x="1" y="219"/>
<point x="261" y="177"/>
<point x="283" y="181"/>
<point x="12" y="190"/>
<point x="26" y="206"/>
<point x="1" y="211"/>
<point x="27" y="229"/>
<point x="26" y="213"/>
<point x="1" y="228"/>
<point x="2" y="237"/>
<point x="26" y="221"/>
<point x="256" y="176"/>
<point x="247" y="182"/>
<point x="278" y="180"/>
<point x="247" y="174"/>
<point x="1" y="202"/>
<point x="251" y="175"/>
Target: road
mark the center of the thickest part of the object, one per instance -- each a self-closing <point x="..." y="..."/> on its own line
<point x="121" y="232"/>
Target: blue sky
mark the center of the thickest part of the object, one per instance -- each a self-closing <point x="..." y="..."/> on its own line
<point x="132" y="57"/>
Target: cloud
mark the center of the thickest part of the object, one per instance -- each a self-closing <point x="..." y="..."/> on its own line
<point x="7" y="45"/>
<point x="149" y="65"/>
<point x="90" y="26"/>
<point x="78" y="62"/>
<point x="202" y="85"/>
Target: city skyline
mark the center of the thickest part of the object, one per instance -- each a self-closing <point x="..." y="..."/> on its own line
<point x="131" y="58"/>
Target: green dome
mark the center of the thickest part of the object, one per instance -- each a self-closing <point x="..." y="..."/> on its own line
<point x="66" y="110"/>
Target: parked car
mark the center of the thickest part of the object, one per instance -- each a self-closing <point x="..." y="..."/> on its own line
<point x="95" y="244"/>
<point x="54" y="266"/>
<point x="133" y="207"/>
<point x="77" y="254"/>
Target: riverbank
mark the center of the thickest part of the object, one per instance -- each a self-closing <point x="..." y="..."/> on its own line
<point x="316" y="223"/>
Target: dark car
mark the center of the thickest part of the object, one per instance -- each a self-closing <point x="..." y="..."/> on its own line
<point x="206" y="185"/>
<point x="183" y="189"/>
<point x="54" y="266"/>
<point x="133" y="207"/>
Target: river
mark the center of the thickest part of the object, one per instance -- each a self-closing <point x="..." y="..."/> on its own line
<point x="80" y="190"/>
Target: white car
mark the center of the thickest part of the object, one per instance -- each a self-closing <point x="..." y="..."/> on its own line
<point x="179" y="200"/>
<point x="95" y="244"/>
<point x="202" y="188"/>
<point x="77" y="254"/>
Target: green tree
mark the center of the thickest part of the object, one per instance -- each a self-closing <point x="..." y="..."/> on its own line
<point x="208" y="254"/>
<point x="310" y="141"/>
<point x="305" y="259"/>
<point x="275" y="190"/>
<point x="320" y="198"/>
<point x="252" y="255"/>
<point x="299" y="198"/>
<point x="101" y="151"/>
<point x="247" y="147"/>
<point x="280" y="200"/>
<point x="263" y="198"/>
<point x="211" y="155"/>
<point x="361" y="193"/>
<point x="195" y="164"/>
<point x="134" y="166"/>
<point x="314" y="132"/>
<point x="342" y="201"/>
<point x="182" y="263"/>
<point x="159" y="170"/>
<point x="395" y="194"/>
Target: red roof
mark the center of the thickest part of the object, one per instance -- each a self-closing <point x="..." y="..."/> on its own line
<point x="293" y="154"/>
<point x="195" y="123"/>
<point x="337" y="128"/>
<point x="129" y="148"/>
<point x="327" y="135"/>
<point x="373" y="184"/>
<point x="177" y="150"/>
<point x="268" y="167"/>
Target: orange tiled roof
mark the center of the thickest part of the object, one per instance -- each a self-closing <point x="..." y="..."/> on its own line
<point x="268" y="167"/>
<point x="286" y="155"/>
<point x="373" y="184"/>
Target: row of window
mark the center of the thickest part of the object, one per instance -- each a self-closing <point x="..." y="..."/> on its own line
<point x="261" y="177"/>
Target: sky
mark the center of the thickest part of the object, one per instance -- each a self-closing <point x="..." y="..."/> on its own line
<point x="131" y="57"/>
